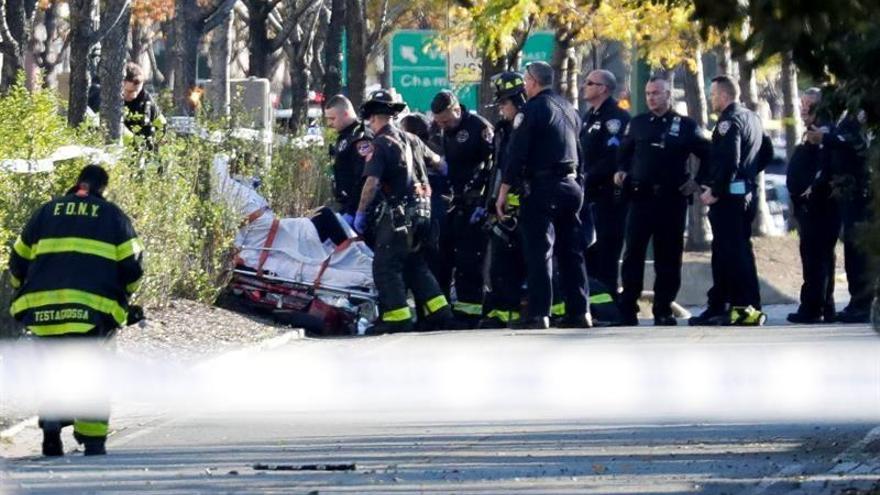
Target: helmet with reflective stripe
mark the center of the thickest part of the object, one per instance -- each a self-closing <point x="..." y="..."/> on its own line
<point x="509" y="85"/>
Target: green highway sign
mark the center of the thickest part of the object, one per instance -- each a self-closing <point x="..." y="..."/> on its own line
<point x="419" y="70"/>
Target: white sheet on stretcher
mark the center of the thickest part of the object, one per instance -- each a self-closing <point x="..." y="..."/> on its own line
<point x="297" y="252"/>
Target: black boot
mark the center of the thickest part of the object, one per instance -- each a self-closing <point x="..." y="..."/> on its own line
<point x="92" y="445"/>
<point x="665" y="321"/>
<point x="536" y="323"/>
<point x="52" y="446"/>
<point x="803" y="318"/>
<point x="579" y="321"/>
<point x="710" y="317"/>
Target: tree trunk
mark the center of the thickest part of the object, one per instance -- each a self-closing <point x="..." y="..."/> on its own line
<point x="725" y="60"/>
<point x="167" y="71"/>
<point x="259" y="46"/>
<point x="564" y="66"/>
<point x="356" y="29"/>
<point x="699" y="234"/>
<point x="82" y="27"/>
<point x="221" y="48"/>
<point x="332" y="83"/>
<point x="790" y="114"/>
<point x="486" y="92"/>
<point x="762" y="226"/>
<point x="19" y="19"/>
<point x="187" y="33"/>
<point x="111" y="70"/>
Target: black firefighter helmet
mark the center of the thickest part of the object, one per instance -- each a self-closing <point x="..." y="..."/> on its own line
<point x="381" y="102"/>
<point x="509" y="85"/>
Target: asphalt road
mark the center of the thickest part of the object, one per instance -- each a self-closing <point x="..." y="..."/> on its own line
<point x="418" y="427"/>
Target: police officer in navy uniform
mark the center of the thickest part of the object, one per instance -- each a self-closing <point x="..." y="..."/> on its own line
<point x="818" y="218"/>
<point x="600" y="139"/>
<point x="348" y="154"/>
<point x="847" y="149"/>
<point x="729" y="190"/>
<point x="467" y="145"/>
<point x="653" y="170"/>
<point x="544" y="158"/>
<point x="396" y="201"/>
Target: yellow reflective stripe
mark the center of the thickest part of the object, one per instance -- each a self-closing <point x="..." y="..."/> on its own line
<point x="16" y="283"/>
<point x="603" y="298"/>
<point x="399" y="314"/>
<point x="437" y="303"/>
<point x="69" y="296"/>
<point x="133" y="287"/>
<point x="23" y="249"/>
<point x="512" y="199"/>
<point x="91" y="428"/>
<point x="75" y="245"/>
<point x="131" y="247"/>
<point x="468" y="308"/>
<point x="558" y="309"/>
<point x="60" y="328"/>
<point x="505" y="316"/>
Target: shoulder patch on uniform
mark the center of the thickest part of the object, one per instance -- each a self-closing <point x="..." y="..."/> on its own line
<point x="462" y="136"/>
<point x="613" y="126"/>
<point x="365" y="148"/>
<point x="723" y="127"/>
<point x="517" y="121"/>
<point x="343" y="143"/>
<point x="487" y="134"/>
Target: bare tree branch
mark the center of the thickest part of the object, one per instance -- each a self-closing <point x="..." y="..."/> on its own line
<point x="291" y="23"/>
<point x="216" y="17"/>
<point x="107" y="24"/>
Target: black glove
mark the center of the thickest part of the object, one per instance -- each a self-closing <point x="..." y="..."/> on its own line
<point x="135" y="315"/>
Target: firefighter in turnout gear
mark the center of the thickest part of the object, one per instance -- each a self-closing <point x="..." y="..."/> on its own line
<point x="396" y="202"/>
<point x="507" y="266"/>
<point x="74" y="267"/>
<point x="467" y="145"/>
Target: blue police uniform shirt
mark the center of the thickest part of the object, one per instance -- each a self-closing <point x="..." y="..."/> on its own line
<point x="545" y="139"/>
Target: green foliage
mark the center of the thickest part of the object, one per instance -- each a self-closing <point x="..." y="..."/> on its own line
<point x="188" y="235"/>
<point x="299" y="179"/>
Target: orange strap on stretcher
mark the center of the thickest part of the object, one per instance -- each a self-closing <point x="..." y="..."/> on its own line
<point x="341" y="247"/>
<point x="270" y="239"/>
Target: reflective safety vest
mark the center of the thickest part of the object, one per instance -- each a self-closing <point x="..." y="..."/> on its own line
<point x="75" y="266"/>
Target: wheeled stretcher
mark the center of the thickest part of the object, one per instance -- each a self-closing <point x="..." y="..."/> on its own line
<point x="312" y="272"/>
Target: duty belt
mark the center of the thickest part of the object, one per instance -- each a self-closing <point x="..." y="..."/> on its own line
<point x="556" y="172"/>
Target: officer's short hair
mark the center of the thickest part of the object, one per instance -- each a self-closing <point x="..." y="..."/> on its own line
<point x="660" y="79"/>
<point x="728" y="85"/>
<point x="339" y="102"/>
<point x="443" y="101"/>
<point x="541" y="72"/>
<point x="813" y="92"/>
<point x="93" y="175"/>
<point x="608" y="79"/>
<point x="133" y="73"/>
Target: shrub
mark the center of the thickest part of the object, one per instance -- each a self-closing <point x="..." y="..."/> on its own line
<point x="188" y="237"/>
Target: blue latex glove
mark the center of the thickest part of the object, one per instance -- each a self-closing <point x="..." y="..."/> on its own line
<point x="478" y="214"/>
<point x="360" y="222"/>
<point x="348" y="218"/>
<point x="443" y="169"/>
